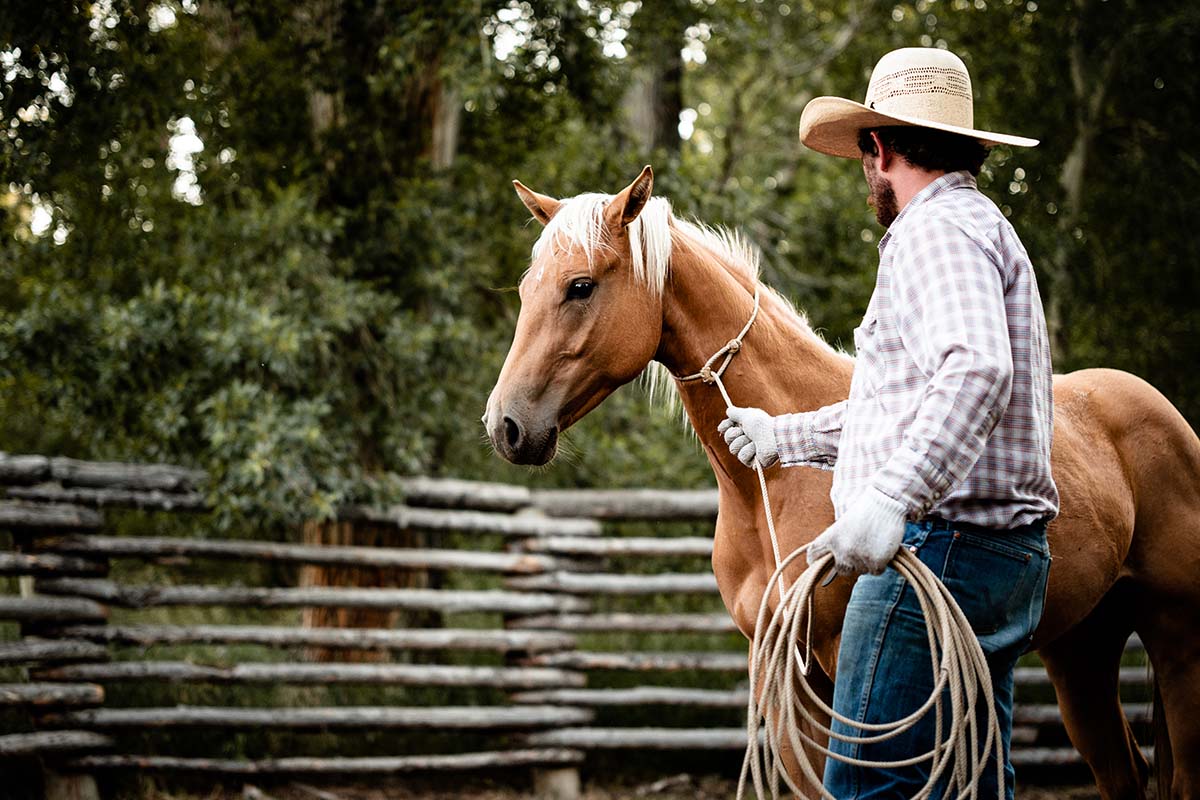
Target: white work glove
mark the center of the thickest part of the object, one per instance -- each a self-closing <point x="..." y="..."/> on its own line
<point x="750" y="432"/>
<point x="865" y="538"/>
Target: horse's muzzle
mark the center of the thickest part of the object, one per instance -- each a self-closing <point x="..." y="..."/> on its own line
<point x="520" y="442"/>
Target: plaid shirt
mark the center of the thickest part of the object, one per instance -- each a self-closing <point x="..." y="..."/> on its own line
<point x="950" y="409"/>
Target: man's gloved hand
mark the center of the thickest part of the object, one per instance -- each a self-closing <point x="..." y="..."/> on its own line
<point x="865" y="538"/>
<point x="750" y="432"/>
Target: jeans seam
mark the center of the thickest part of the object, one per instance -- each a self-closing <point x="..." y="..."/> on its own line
<point x="864" y="698"/>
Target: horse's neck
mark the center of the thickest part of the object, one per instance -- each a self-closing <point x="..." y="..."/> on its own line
<point x="782" y="366"/>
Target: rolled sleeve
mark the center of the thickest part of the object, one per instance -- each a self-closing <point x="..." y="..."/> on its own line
<point x="954" y="326"/>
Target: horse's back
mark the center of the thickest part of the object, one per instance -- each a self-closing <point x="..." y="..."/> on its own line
<point x="1126" y="463"/>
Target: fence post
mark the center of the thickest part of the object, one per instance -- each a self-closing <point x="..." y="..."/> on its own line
<point x="69" y="786"/>
<point x="556" y="782"/>
<point x="55" y="785"/>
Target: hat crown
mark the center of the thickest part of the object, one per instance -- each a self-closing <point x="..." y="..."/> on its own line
<point x="925" y="83"/>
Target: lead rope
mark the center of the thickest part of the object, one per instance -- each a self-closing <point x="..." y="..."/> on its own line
<point x="956" y="658"/>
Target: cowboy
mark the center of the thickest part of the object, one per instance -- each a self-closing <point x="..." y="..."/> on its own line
<point x="943" y="446"/>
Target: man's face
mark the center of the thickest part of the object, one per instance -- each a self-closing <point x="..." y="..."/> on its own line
<point x="882" y="197"/>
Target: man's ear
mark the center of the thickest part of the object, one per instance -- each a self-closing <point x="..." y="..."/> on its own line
<point x="629" y="202"/>
<point x="541" y="206"/>
<point x="885" y="156"/>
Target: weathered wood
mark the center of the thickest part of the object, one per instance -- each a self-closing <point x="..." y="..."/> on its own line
<point x="558" y="783"/>
<point x="50" y="609"/>
<point x="1056" y="756"/>
<point x="446" y="600"/>
<point x="455" y="493"/>
<point x="153" y="500"/>
<point x="716" y="661"/>
<point x="35" y="518"/>
<point x="648" y="623"/>
<point x="32" y="651"/>
<point x="640" y="738"/>
<point x="119" y="475"/>
<point x="1037" y="676"/>
<point x="334" y="766"/>
<point x="47" y="564"/>
<point x="381" y="557"/>
<point x="416" y="718"/>
<point x="45" y="742"/>
<point x="36" y="695"/>
<point x="637" y="696"/>
<point x="612" y="584"/>
<point x="487" y="639"/>
<point x="1033" y="714"/>
<point x="628" y="504"/>
<point x="69" y="786"/>
<point x="23" y="469"/>
<point x="320" y="673"/>
<point x="435" y="519"/>
<point x="629" y="546"/>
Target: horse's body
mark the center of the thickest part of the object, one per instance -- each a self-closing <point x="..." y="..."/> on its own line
<point x="1126" y="544"/>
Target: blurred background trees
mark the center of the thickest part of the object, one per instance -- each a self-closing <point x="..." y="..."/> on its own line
<point x="277" y="239"/>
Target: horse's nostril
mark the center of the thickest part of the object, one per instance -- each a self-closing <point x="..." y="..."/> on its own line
<point x="512" y="433"/>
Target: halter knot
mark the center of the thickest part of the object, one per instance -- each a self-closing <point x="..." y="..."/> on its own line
<point x="706" y="374"/>
<point x="734" y="345"/>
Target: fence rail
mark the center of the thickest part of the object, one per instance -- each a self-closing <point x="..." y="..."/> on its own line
<point x="533" y="620"/>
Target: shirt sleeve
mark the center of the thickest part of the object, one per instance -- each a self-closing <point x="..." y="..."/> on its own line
<point x="810" y="438"/>
<point x="948" y="293"/>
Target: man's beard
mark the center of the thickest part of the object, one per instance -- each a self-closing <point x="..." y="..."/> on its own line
<point x="882" y="197"/>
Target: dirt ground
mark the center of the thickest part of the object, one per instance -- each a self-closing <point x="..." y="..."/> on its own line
<point x="676" y="787"/>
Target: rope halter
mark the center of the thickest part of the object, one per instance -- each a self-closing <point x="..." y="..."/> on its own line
<point x="731" y="348"/>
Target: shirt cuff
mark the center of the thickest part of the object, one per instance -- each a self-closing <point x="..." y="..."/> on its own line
<point x="911" y="479"/>
<point x="797" y="444"/>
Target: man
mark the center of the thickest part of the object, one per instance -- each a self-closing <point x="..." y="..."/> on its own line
<point x="944" y="443"/>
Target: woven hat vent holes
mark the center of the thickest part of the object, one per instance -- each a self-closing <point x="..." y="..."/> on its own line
<point x="923" y="80"/>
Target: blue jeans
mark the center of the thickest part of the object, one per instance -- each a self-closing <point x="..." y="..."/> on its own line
<point x="998" y="578"/>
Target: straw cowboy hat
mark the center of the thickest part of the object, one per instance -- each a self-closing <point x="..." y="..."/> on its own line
<point x="921" y="86"/>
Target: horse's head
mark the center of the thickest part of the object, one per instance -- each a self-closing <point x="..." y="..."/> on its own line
<point x="591" y="314"/>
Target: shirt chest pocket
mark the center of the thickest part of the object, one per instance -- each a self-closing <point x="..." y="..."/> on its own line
<point x="867" y="361"/>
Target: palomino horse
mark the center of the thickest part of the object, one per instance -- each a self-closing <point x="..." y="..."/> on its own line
<point x="617" y="282"/>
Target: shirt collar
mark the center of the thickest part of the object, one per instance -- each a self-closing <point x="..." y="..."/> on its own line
<point x="951" y="180"/>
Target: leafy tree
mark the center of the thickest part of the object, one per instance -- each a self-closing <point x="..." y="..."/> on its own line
<point x="276" y="239"/>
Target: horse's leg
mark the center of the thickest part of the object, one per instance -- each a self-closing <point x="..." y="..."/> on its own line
<point x="1168" y="627"/>
<point x="1083" y="665"/>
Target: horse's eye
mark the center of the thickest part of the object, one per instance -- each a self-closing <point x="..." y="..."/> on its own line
<point x="580" y="289"/>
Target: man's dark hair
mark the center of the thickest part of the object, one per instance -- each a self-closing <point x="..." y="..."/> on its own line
<point x="927" y="148"/>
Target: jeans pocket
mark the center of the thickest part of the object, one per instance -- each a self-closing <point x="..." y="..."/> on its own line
<point x="999" y="585"/>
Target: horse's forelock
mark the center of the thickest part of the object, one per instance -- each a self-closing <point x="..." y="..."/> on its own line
<point x="579" y="223"/>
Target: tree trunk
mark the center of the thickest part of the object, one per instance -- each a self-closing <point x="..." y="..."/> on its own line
<point x="364" y="534"/>
<point x="652" y="105"/>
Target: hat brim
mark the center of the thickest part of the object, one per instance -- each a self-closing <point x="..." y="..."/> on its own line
<point x="830" y="125"/>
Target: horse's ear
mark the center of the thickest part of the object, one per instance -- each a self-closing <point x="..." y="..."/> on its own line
<point x="626" y="206"/>
<point x="541" y="206"/>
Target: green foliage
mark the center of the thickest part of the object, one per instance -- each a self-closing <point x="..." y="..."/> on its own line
<point x="320" y="295"/>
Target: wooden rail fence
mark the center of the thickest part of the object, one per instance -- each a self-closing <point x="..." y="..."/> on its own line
<point x="555" y="609"/>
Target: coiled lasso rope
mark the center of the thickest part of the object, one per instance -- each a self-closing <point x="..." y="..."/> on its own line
<point x="779" y="673"/>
